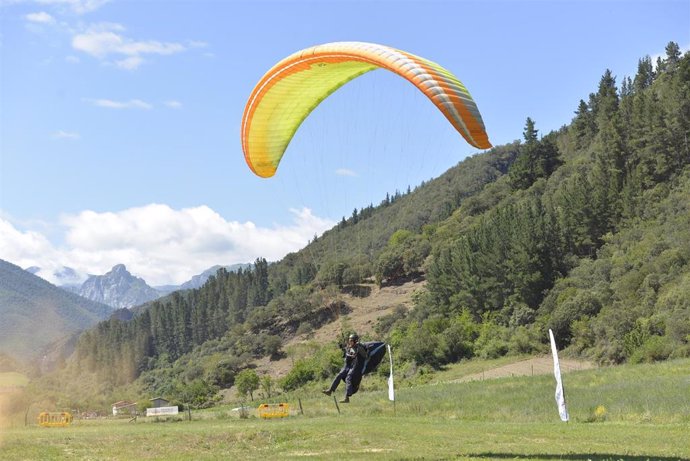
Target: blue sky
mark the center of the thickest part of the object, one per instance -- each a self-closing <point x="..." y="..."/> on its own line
<point x="120" y="120"/>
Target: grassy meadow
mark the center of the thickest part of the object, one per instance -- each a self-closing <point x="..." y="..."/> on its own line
<point x="631" y="412"/>
<point x="13" y="379"/>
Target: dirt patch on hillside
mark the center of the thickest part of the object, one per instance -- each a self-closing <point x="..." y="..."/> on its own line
<point x="365" y="312"/>
<point x="529" y="367"/>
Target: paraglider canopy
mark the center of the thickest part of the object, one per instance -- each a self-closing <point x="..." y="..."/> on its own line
<point x="293" y="88"/>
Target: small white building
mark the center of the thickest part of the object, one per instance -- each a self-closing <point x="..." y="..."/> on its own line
<point x="124" y="407"/>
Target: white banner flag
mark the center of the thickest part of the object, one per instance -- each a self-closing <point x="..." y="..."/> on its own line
<point x="560" y="395"/>
<point x="391" y="388"/>
<point x="162" y="411"/>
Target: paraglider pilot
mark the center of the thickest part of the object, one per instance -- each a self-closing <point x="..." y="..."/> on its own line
<point x="351" y="373"/>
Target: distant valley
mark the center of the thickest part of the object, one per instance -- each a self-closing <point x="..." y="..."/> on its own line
<point x="39" y="319"/>
<point x="34" y="314"/>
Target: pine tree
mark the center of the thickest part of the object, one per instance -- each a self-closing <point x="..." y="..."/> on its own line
<point x="583" y="125"/>
<point x="537" y="158"/>
<point x="672" y="57"/>
<point x="524" y="171"/>
<point x="607" y="173"/>
<point x="258" y="291"/>
<point x="547" y="156"/>
<point x="645" y="74"/>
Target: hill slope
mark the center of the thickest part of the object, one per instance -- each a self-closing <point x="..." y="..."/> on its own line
<point x="35" y="313"/>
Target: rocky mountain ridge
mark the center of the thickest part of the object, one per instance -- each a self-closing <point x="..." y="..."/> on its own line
<point x="120" y="289"/>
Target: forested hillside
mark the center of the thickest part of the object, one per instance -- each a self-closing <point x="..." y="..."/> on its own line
<point x="608" y="227"/>
<point x="585" y="230"/>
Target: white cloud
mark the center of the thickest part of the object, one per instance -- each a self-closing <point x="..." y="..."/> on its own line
<point x="100" y="40"/>
<point x="15" y="244"/>
<point x="77" y="6"/>
<point x="345" y="172"/>
<point x="41" y="17"/>
<point x="156" y="242"/>
<point x="60" y="134"/>
<point x="131" y="104"/>
<point x="130" y="63"/>
<point x="173" y="104"/>
<point x="105" y="41"/>
<point x="28" y="248"/>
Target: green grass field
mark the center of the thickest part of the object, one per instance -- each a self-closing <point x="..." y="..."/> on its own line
<point x="13" y="379"/>
<point x="623" y="413"/>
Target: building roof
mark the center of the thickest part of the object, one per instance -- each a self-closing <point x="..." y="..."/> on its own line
<point x="123" y="403"/>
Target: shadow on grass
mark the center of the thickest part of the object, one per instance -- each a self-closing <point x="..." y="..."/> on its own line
<point x="576" y="457"/>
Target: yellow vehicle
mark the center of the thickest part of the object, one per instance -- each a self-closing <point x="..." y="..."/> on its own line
<point x="55" y="419"/>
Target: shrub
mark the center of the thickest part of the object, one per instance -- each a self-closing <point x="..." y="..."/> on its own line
<point x="583" y="304"/>
<point x="386" y="322"/>
<point x="193" y="372"/>
<point x="247" y="382"/>
<point x="272" y="345"/>
<point x="356" y="272"/>
<point x="654" y="349"/>
<point x="420" y="345"/>
<point x="304" y="328"/>
<point x="522" y="315"/>
<point x="524" y="341"/>
<point x="223" y="374"/>
<point x="198" y="394"/>
<point x="491" y="343"/>
<point x="331" y="273"/>
<point x="403" y="256"/>
<point x="457" y="341"/>
<point x="302" y="372"/>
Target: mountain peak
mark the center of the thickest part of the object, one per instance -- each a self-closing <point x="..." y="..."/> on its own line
<point x="119" y="269"/>
<point x="118" y="288"/>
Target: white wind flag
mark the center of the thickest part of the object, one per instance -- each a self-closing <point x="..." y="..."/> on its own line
<point x="391" y="388"/>
<point x="560" y="395"/>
